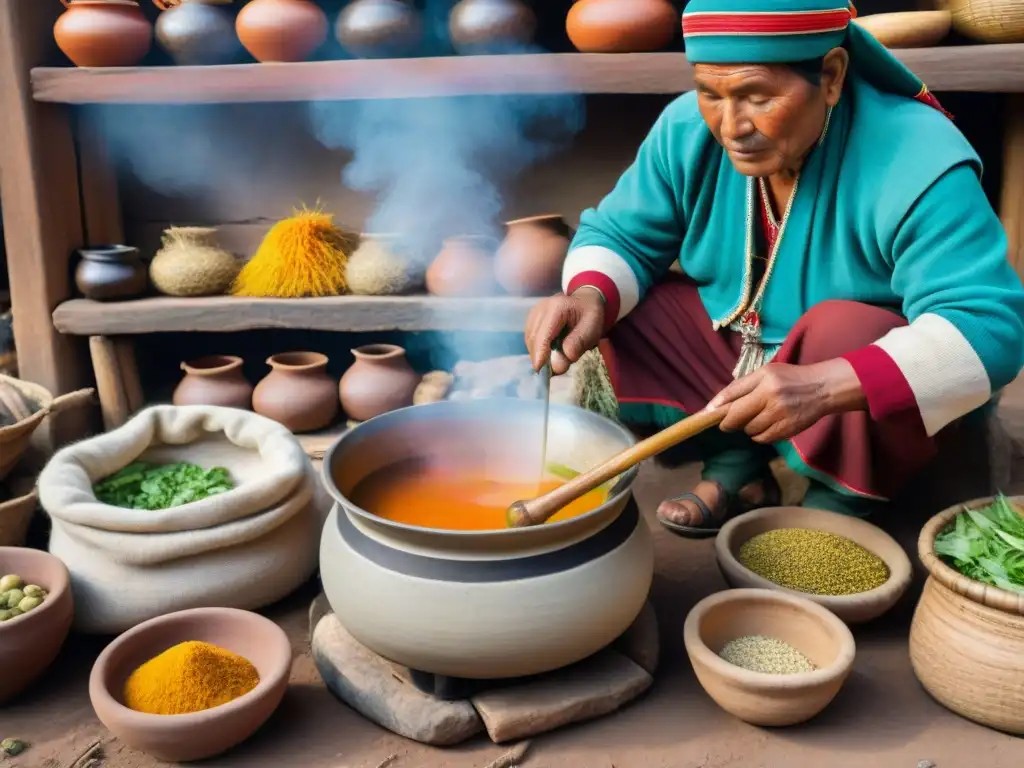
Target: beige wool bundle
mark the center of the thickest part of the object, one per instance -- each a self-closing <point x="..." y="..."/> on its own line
<point x="190" y="263"/>
<point x="376" y="270"/>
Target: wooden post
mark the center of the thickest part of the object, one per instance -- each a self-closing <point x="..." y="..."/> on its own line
<point x="124" y="347"/>
<point x="1011" y="205"/>
<point x="42" y="213"/>
<point x="109" y="382"/>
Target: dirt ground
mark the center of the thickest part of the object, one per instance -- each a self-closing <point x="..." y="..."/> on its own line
<point x="882" y="718"/>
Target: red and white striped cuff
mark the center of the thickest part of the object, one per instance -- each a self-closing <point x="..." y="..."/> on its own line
<point x="605" y="270"/>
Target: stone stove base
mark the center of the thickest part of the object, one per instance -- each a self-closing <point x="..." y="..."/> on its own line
<point x="404" y="700"/>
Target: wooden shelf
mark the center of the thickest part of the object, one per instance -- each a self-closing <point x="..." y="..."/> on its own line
<point x="81" y="317"/>
<point x="989" y="68"/>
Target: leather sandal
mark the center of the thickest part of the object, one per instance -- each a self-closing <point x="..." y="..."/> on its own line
<point x="728" y="507"/>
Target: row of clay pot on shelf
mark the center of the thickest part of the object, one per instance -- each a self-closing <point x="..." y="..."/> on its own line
<point x="115" y="33"/>
<point x="298" y="392"/>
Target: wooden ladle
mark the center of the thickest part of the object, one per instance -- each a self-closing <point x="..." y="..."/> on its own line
<point x="539" y="510"/>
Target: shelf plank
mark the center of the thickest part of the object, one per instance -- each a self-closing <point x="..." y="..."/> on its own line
<point x="989" y="68"/>
<point x="81" y="317"/>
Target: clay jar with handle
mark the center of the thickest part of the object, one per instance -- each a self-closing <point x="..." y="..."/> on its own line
<point x="281" y="30"/>
<point x="297" y="393"/>
<point x="197" y="32"/>
<point x="214" y="380"/>
<point x="103" y="33"/>
<point x="380" y="380"/>
<point x="529" y="261"/>
<point x="491" y="26"/>
<point x="379" y="29"/>
<point x="463" y="268"/>
<point x="621" y="26"/>
<point x="110" y="273"/>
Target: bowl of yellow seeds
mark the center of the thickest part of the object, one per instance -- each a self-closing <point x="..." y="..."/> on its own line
<point x="769" y="658"/>
<point x="849" y="566"/>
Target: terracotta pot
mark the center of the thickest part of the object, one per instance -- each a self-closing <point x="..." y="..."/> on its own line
<point x="110" y="272"/>
<point x="380" y="380"/>
<point x="103" y="33"/>
<point x="491" y="26"/>
<point x="298" y="393"/>
<point x="379" y="29"/>
<point x="529" y="261"/>
<point x="281" y="30"/>
<point x="967" y="638"/>
<point x="197" y="32"/>
<point x="191" y="263"/>
<point x="214" y="380"/>
<point x="622" y="26"/>
<point x="463" y="268"/>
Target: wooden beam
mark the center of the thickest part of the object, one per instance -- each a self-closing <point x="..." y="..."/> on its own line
<point x="101" y="205"/>
<point x="1011" y="202"/>
<point x="106" y="367"/>
<point x="42" y="216"/>
<point x="990" y="68"/>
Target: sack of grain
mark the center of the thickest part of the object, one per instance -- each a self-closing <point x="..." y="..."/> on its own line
<point x="244" y="548"/>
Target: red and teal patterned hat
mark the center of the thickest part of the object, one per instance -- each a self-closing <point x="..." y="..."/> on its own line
<point x="780" y="31"/>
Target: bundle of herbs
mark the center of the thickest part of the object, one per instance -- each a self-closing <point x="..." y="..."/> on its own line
<point x="161" y="486"/>
<point x="987" y="544"/>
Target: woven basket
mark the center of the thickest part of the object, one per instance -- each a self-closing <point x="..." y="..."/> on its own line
<point x="15" y="438"/>
<point x="988" y="21"/>
<point x="15" y="516"/>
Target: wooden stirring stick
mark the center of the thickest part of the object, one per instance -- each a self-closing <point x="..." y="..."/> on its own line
<point x="539" y="510"/>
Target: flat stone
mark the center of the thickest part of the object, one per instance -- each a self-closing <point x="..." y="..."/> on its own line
<point x="367" y="683"/>
<point x="642" y="641"/>
<point x="594" y="687"/>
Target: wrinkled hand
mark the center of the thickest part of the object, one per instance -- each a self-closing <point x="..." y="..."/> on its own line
<point x="779" y="401"/>
<point x="582" y="314"/>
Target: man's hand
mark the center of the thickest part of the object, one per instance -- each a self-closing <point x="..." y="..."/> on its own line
<point x="582" y="314"/>
<point x="778" y="401"/>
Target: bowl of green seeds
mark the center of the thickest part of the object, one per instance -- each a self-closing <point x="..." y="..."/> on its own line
<point x="849" y="566"/>
<point x="769" y="658"/>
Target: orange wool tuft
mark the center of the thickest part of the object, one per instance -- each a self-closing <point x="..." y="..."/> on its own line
<point x="305" y="255"/>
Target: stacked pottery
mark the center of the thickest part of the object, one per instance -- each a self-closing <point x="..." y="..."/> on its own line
<point x="379" y="29"/>
<point x="621" y="26"/>
<point x="110" y="273"/>
<point x="463" y="268"/>
<point x="379" y="381"/>
<point x="197" y="32"/>
<point x="214" y="380"/>
<point x="491" y="26"/>
<point x="190" y="263"/>
<point x="529" y="261"/>
<point x="103" y="33"/>
<point x="297" y="392"/>
<point x="281" y="30"/>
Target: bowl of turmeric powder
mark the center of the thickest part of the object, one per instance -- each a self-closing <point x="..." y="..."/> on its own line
<point x="192" y="684"/>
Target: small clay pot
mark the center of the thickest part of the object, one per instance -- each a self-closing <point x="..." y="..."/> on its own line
<point x="110" y="273"/>
<point x="621" y="26"/>
<point x="298" y="393"/>
<point x="380" y="380"/>
<point x="491" y="26"/>
<point x="379" y="29"/>
<point x="281" y="30"/>
<point x="463" y="268"/>
<point x="190" y="263"/>
<point x="529" y="261"/>
<point x="214" y="380"/>
<point x="103" y="33"/>
<point x="197" y="32"/>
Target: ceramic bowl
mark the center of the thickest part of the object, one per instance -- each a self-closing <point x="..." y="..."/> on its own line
<point x="756" y="697"/>
<point x="183" y="738"/>
<point x="852" y="609"/>
<point x="30" y="643"/>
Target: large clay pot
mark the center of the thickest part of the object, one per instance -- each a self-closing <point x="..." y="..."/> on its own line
<point x="281" y="30"/>
<point x="197" y="32"/>
<point x="214" y="380"/>
<point x="491" y="26"/>
<point x="379" y="29"/>
<point x="380" y="380"/>
<point x="967" y="638"/>
<point x="529" y="261"/>
<point x="110" y="273"/>
<point x="190" y="263"/>
<point x="622" y="26"/>
<point x="463" y="268"/>
<point x="298" y="393"/>
<point x="530" y="599"/>
<point x="103" y="33"/>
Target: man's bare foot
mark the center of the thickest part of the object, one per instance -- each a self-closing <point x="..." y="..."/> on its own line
<point x="686" y="512"/>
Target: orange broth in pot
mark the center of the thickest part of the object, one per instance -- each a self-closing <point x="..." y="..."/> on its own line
<point x="433" y="495"/>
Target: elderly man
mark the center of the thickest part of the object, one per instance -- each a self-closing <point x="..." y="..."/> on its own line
<point x="846" y="292"/>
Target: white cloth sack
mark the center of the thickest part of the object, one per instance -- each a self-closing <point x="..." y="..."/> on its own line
<point x="244" y="548"/>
